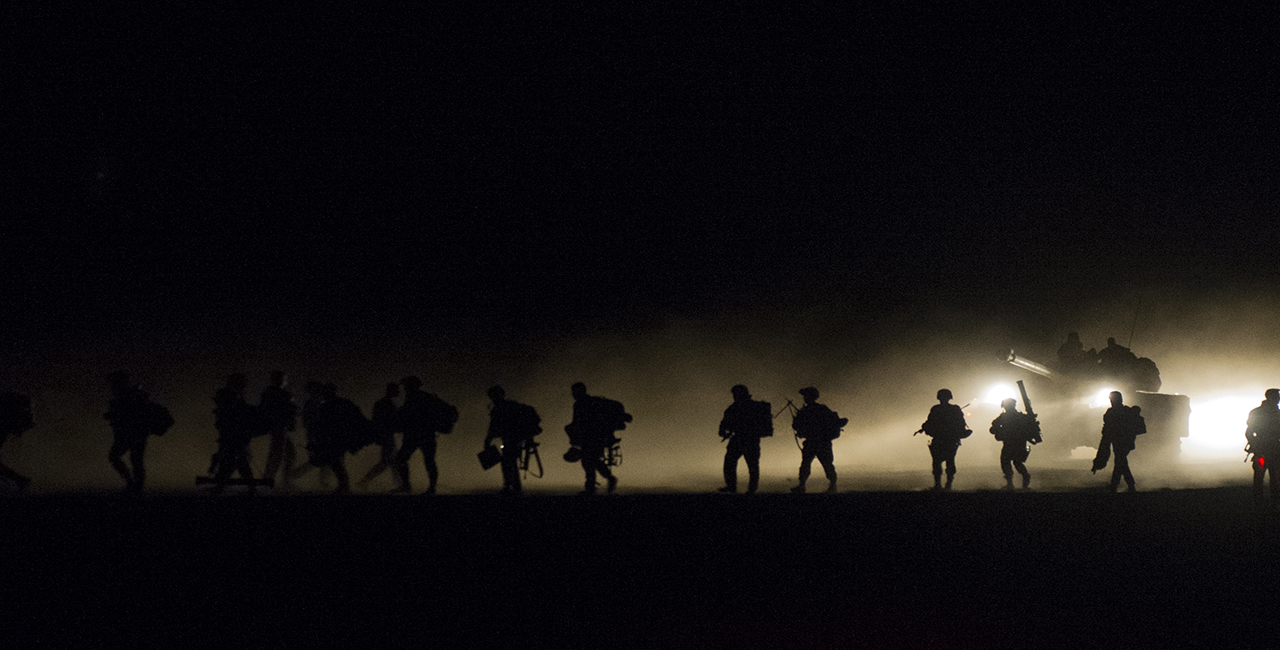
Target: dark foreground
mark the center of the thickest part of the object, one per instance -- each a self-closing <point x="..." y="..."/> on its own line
<point x="891" y="569"/>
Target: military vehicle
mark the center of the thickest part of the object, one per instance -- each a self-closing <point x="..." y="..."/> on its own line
<point x="1071" y="397"/>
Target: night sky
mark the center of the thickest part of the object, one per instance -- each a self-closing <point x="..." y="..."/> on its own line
<point x="231" y="186"/>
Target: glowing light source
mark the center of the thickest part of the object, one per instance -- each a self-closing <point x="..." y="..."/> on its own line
<point x="999" y="393"/>
<point x="1217" y="424"/>
<point x="1102" y="399"/>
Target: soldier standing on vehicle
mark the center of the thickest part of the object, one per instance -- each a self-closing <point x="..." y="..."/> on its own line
<point x="745" y="422"/>
<point x="15" y="419"/>
<point x="516" y="424"/>
<point x="386" y="423"/>
<point x="946" y="426"/>
<point x="421" y="417"/>
<point x="133" y="417"/>
<point x="1263" y="434"/>
<point x="591" y="433"/>
<point x="280" y="415"/>
<point x="1015" y="430"/>
<point x="1121" y="426"/>
<point x="817" y="425"/>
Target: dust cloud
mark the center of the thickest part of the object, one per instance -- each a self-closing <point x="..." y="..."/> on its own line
<point x="673" y="374"/>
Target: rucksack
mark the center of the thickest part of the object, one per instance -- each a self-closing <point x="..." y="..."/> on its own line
<point x="762" y="419"/>
<point x="443" y="415"/>
<point x="614" y="414"/>
<point x="525" y="421"/>
<point x="154" y="418"/>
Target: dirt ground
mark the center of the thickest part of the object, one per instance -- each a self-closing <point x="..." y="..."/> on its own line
<point x="892" y="569"/>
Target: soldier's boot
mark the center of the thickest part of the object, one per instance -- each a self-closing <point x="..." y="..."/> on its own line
<point x="1132" y="486"/>
<point x="612" y="485"/>
<point x="589" y="488"/>
<point x="947" y="487"/>
<point x="937" y="481"/>
<point x="831" y="487"/>
<point x="799" y="489"/>
<point x="1008" y="482"/>
<point x="1026" y="480"/>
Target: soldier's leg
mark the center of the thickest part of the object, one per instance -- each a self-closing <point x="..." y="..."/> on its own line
<point x="752" y="454"/>
<point x="589" y="463"/>
<point x="951" y="465"/>
<point x="137" y="451"/>
<point x="402" y="465"/>
<point x="936" y="455"/>
<point x="827" y="457"/>
<point x="339" y="468"/>
<point x="118" y="449"/>
<point x="1022" y="469"/>
<point x="429" y="459"/>
<point x="1259" y="469"/>
<point x="731" y="455"/>
<point x="511" y="467"/>
<point x="275" y="455"/>
<point x="807" y="456"/>
<point x="1122" y="471"/>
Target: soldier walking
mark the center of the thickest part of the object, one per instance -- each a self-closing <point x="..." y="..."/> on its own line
<point x="235" y="421"/>
<point x="1263" y="434"/>
<point x="1121" y="426"/>
<point x="422" y="416"/>
<point x="591" y="434"/>
<point x="386" y="423"/>
<point x="280" y="416"/>
<point x="817" y="425"/>
<point x="1015" y="430"/>
<point x="516" y="424"/>
<point x="946" y="426"/>
<point x="745" y="422"/>
<point x="133" y="417"/>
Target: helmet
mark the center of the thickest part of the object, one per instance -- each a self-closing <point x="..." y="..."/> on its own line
<point x="411" y="382"/>
<point x="740" y="390"/>
<point x="810" y="392"/>
<point x="944" y="394"/>
<point x="1009" y="404"/>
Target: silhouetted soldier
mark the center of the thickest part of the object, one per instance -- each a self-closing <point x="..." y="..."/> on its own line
<point x="817" y="425"/>
<point x="1072" y="356"/>
<point x="133" y="417"/>
<point x="336" y="427"/>
<point x="745" y="422"/>
<point x="516" y="424"/>
<point x="236" y="422"/>
<point x="15" y="419"/>
<point x="385" y="422"/>
<point x="1263" y="434"/>
<point x="1015" y="430"/>
<point x="1121" y="426"/>
<point x="946" y="426"/>
<point x="280" y="415"/>
<point x="595" y="419"/>
<point x="421" y="417"/>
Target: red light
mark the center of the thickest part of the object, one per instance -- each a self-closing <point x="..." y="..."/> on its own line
<point x="1262" y="462"/>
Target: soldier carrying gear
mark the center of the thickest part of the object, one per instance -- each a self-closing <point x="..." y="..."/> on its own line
<point x="745" y="422"/>
<point x="133" y="417"/>
<point x="280" y="414"/>
<point x="817" y="425"/>
<point x="1263" y="434"/>
<point x="15" y="419"/>
<point x="516" y="424"/>
<point x="422" y="416"/>
<point x="236" y="422"/>
<point x="385" y="423"/>
<point x="1015" y="430"/>
<point x="335" y="427"/>
<point x="1121" y="426"/>
<point x="946" y="426"/>
<point x="595" y="419"/>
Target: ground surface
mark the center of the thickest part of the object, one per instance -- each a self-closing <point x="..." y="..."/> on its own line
<point x="1166" y="568"/>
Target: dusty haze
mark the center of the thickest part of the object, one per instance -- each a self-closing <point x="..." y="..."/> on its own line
<point x="673" y="373"/>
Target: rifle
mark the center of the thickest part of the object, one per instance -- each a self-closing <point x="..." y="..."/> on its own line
<point x="530" y="453"/>
<point x="921" y="429"/>
<point x="790" y="406"/>
<point x="1026" y="404"/>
